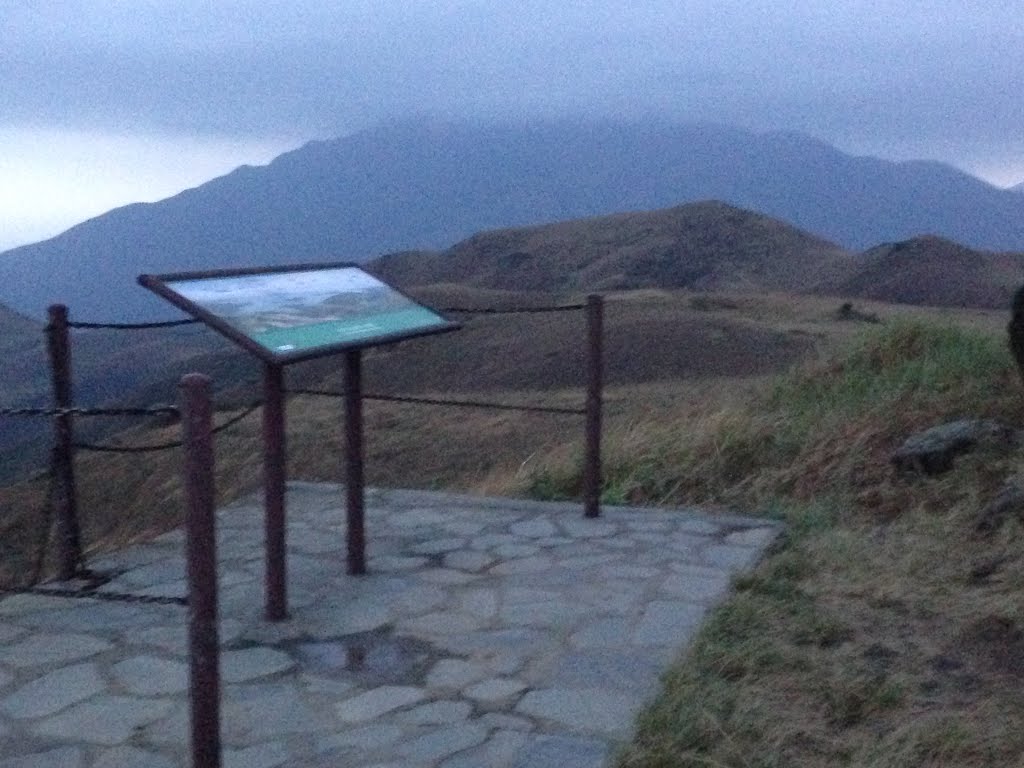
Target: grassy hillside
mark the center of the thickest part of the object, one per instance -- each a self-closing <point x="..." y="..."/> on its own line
<point x="708" y="247"/>
<point x="705" y="246"/>
<point x="931" y="270"/>
<point x="711" y="246"/>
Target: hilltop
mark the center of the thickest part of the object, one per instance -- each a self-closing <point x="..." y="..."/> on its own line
<point x="935" y="271"/>
<point x="702" y="246"/>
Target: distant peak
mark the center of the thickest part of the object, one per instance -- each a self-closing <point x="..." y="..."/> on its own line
<point x="927" y="243"/>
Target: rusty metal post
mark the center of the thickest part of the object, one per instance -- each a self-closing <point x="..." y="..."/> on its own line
<point x="354" y="463"/>
<point x="595" y="366"/>
<point x="69" y="537"/>
<point x="273" y="490"/>
<point x="201" y="545"/>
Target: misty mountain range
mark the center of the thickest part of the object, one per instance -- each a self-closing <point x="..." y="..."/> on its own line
<point x="424" y="185"/>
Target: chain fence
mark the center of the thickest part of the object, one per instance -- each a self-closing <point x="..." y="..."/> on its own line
<point x="438" y="401"/>
<point x="89" y="582"/>
<point x="131" y="326"/>
<point x="154" y="447"/>
<point x="93" y="593"/>
<point x="512" y="310"/>
<point x="159" y="410"/>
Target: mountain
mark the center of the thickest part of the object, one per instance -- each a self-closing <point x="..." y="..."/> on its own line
<point x="17" y="331"/>
<point x="426" y="185"/>
<point x="708" y="246"/>
<point x="23" y="350"/>
<point x="932" y="270"/>
<point x="1018" y="188"/>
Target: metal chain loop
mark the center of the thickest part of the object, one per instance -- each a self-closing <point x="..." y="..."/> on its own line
<point x="456" y="403"/>
<point x="512" y="310"/>
<point x="91" y="593"/>
<point x="160" y="410"/>
<point x="132" y="326"/>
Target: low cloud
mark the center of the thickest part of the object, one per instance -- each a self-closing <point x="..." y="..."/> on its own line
<point x="932" y="73"/>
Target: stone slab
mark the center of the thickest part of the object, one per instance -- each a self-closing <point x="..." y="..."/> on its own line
<point x="489" y="632"/>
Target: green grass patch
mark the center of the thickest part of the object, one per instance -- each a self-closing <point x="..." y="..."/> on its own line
<point x="908" y="362"/>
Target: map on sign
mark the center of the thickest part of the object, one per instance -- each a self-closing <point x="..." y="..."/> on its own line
<point x="290" y="313"/>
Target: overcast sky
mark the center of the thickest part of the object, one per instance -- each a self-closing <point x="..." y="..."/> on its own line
<point x="104" y="102"/>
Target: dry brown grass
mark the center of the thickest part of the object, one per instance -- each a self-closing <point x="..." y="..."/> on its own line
<point x="887" y="630"/>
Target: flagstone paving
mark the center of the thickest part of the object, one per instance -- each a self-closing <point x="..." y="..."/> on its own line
<point x="489" y="632"/>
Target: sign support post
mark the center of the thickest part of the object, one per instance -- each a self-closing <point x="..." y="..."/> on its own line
<point x="354" y="490"/>
<point x="201" y="546"/>
<point x="595" y="365"/>
<point x="274" y="458"/>
<point x="69" y="538"/>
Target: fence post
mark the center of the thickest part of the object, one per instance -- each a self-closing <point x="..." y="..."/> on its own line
<point x="354" y="463"/>
<point x="69" y="539"/>
<point x="592" y="458"/>
<point x="201" y="543"/>
<point x="274" y="453"/>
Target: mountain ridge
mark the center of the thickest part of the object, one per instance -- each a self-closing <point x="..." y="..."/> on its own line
<point x="427" y="185"/>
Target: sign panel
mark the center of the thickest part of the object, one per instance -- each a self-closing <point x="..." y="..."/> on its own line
<point x="295" y="313"/>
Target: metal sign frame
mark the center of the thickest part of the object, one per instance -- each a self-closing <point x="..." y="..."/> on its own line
<point x="274" y="452"/>
<point x="159" y="284"/>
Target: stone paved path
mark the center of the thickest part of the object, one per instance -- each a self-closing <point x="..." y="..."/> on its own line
<point x="489" y="633"/>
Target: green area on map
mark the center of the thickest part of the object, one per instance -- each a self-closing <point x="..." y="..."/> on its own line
<point x="348" y="330"/>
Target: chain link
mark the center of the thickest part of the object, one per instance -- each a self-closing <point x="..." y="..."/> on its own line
<point x="152" y="448"/>
<point x="455" y="403"/>
<point x="93" y="593"/>
<point x="512" y="310"/>
<point x="161" y="410"/>
<point x="132" y="326"/>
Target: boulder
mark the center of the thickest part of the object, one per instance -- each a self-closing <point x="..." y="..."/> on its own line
<point x="932" y="452"/>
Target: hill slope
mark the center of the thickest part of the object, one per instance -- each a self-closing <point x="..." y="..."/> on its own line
<point x="931" y="270"/>
<point x="23" y="353"/>
<point x="428" y="185"/>
<point x="703" y="246"/>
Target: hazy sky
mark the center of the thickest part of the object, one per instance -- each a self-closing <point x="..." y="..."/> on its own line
<point x="104" y="102"/>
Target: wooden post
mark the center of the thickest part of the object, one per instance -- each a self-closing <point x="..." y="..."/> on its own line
<point x="201" y="545"/>
<point x="69" y="538"/>
<point x="274" y="452"/>
<point x="592" y="458"/>
<point x="354" y="491"/>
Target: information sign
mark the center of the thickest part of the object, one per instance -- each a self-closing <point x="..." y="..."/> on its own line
<point x="285" y="314"/>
